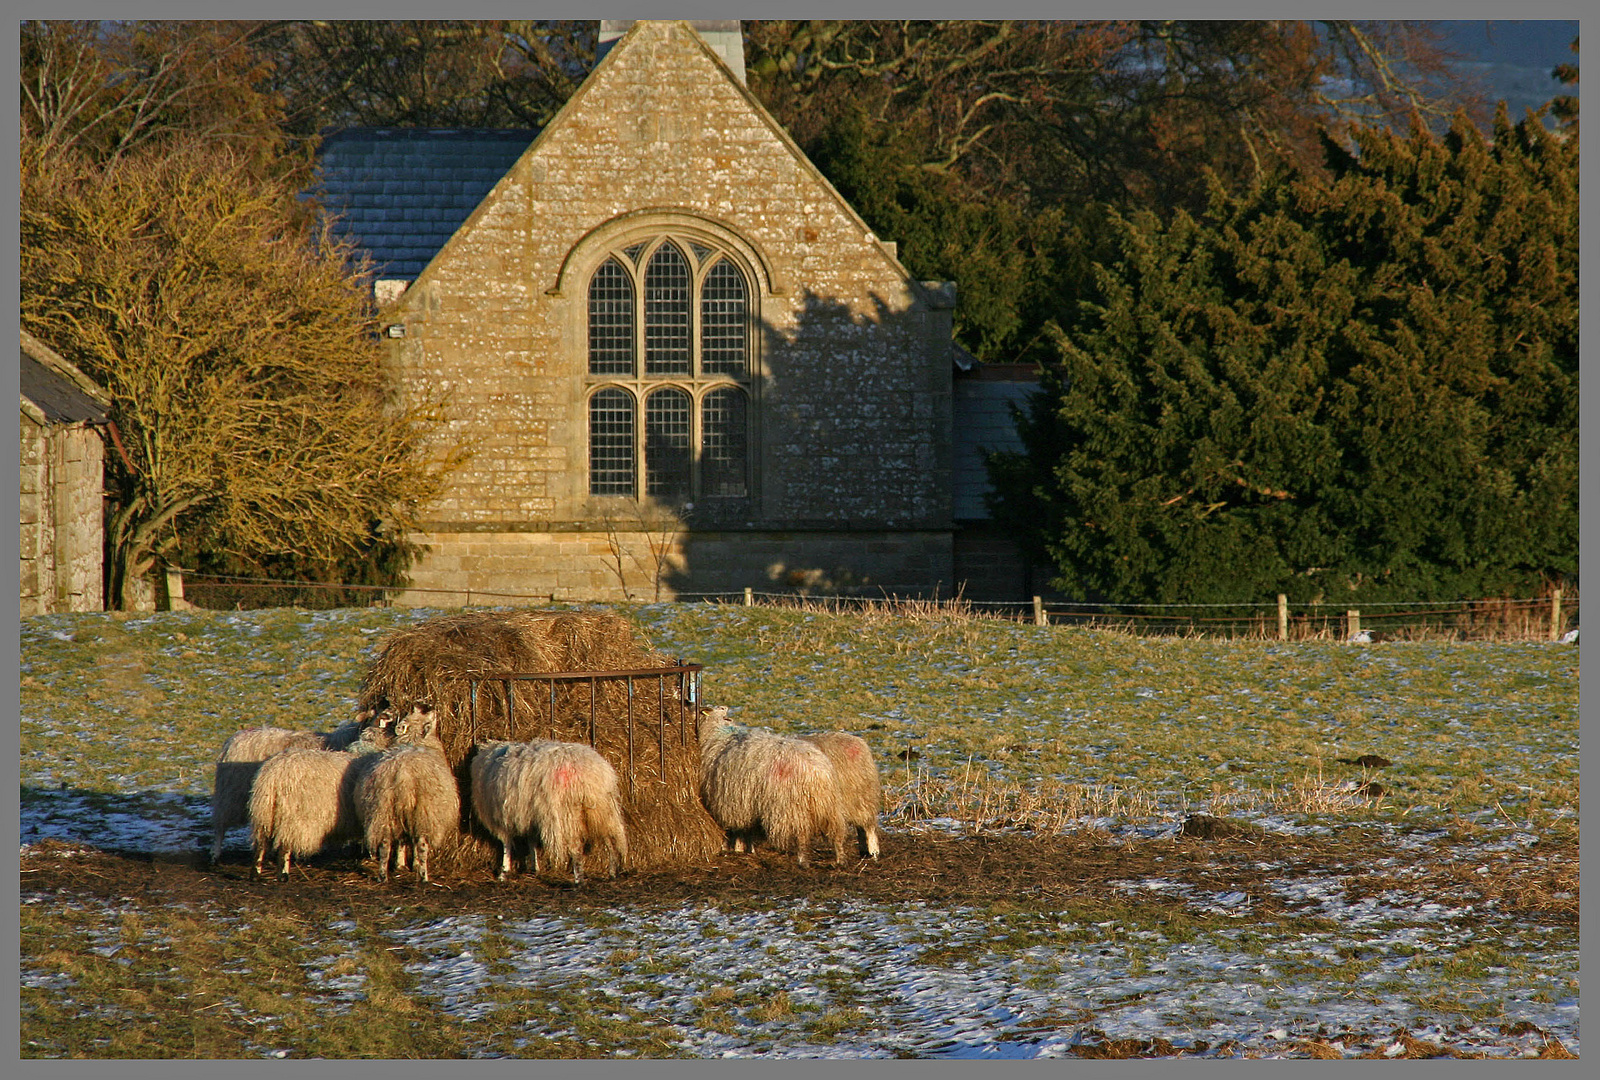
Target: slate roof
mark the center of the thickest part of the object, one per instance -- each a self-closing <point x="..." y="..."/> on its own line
<point x="981" y="408"/>
<point x="401" y="193"/>
<point x="58" y="389"/>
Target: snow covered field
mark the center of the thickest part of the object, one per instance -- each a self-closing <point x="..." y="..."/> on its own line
<point x="120" y="719"/>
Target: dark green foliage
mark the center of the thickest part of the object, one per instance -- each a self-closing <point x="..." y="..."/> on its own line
<point x="998" y="258"/>
<point x="383" y="558"/>
<point x="1564" y="106"/>
<point x="1359" y="387"/>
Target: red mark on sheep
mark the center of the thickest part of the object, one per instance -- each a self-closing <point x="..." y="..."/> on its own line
<point x="564" y="775"/>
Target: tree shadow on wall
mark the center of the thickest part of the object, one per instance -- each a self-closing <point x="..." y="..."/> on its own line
<point x="849" y="461"/>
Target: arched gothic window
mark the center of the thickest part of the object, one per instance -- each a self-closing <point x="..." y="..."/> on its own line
<point x="677" y="426"/>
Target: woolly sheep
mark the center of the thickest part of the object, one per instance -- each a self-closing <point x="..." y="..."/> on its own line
<point x="561" y="795"/>
<point x="300" y="803"/>
<point x="860" y="789"/>
<point x="244" y="751"/>
<point x="756" y="783"/>
<point x="408" y="794"/>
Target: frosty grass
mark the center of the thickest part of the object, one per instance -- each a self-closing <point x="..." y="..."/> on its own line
<point x="121" y="718"/>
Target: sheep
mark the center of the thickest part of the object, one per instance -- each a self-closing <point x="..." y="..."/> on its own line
<point x="561" y="795"/>
<point x="860" y="789"/>
<point x="299" y="803"/>
<point x="408" y="794"/>
<point x="757" y="783"/>
<point x="244" y="751"/>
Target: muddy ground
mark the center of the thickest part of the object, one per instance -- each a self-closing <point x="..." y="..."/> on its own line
<point x="1077" y="873"/>
<point x="1538" y="884"/>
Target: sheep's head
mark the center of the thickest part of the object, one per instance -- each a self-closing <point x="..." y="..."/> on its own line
<point x="421" y="724"/>
<point x="710" y="719"/>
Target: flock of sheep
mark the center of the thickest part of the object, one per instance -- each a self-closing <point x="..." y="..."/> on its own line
<point x="384" y="780"/>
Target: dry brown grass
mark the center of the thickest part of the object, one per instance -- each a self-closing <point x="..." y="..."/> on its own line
<point x="1319" y="1050"/>
<point x="977" y="799"/>
<point x="1414" y="1049"/>
<point x="656" y="755"/>
<point x="1478" y="620"/>
<point x="877" y="613"/>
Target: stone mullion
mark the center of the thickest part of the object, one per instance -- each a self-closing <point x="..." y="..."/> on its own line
<point x="637" y="270"/>
<point x="696" y="374"/>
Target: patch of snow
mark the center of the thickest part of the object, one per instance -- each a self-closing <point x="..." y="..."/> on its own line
<point x="995" y="1006"/>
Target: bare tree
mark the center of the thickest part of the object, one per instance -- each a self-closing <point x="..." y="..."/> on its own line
<point x="1046" y="112"/>
<point x="662" y="528"/>
<point x="239" y="348"/>
<point x="103" y="89"/>
<point x="437" y="72"/>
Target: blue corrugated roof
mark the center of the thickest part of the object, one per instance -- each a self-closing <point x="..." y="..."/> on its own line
<point x="401" y="193"/>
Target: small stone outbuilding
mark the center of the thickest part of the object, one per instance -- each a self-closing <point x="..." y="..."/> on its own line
<point x="681" y="362"/>
<point x="63" y="538"/>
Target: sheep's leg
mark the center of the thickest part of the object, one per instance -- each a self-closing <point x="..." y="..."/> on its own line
<point x="420" y="857"/>
<point x="869" y="841"/>
<point x="504" y="868"/>
<point x="533" y="853"/>
<point x="283" y="873"/>
<point x="216" y="844"/>
<point x="383" y="860"/>
<point x="261" y="860"/>
<point x="575" y="860"/>
<point x="800" y="848"/>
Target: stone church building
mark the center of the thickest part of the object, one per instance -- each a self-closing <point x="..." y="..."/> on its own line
<point x="680" y="362"/>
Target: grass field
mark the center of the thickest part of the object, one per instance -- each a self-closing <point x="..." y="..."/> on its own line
<point x="981" y="727"/>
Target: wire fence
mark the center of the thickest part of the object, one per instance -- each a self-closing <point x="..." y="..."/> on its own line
<point x="1529" y="619"/>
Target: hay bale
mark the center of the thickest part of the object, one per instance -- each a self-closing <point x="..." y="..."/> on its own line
<point x="435" y="661"/>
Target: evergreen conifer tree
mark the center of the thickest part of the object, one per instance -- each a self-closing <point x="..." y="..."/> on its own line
<point x="1362" y="386"/>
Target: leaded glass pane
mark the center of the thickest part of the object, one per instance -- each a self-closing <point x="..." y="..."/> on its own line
<point x="610" y="320"/>
<point x="666" y="444"/>
<point x="666" y="313"/>
<point x="724" y="444"/>
<point x="722" y="321"/>
<point x="611" y="443"/>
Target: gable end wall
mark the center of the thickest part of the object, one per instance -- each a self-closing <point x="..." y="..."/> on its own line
<point x="852" y="388"/>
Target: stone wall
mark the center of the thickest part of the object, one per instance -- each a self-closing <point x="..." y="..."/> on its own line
<point x="850" y="382"/>
<point x="498" y="567"/>
<point x="61" y="524"/>
<point x="991" y="567"/>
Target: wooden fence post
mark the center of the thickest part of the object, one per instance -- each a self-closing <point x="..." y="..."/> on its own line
<point x="175" y="600"/>
<point x="1555" y="615"/>
<point x="1039" y="616"/>
<point x="1352" y="623"/>
<point x="749" y="597"/>
<point x="1283" y="617"/>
